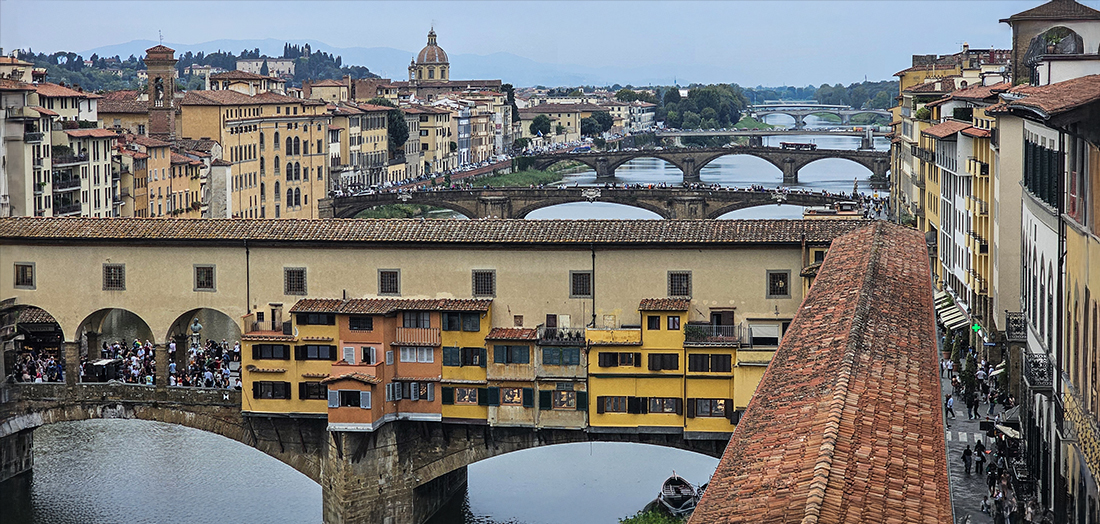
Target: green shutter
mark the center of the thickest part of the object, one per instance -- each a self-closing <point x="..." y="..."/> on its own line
<point x="494" y="396"/>
<point x="448" y="396"/>
<point x="637" y="360"/>
<point x="528" y="397"/>
<point x="500" y="354"/>
<point x="582" y="401"/>
<point x="545" y="400"/>
<point x="523" y="354"/>
<point x="600" y="401"/>
<point x="483" y="396"/>
<point x="332" y="354"/>
<point x="691" y="408"/>
<point x="484" y="356"/>
<point x="255" y="390"/>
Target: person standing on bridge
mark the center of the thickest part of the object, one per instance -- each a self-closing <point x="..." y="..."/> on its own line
<point x="948" y="405"/>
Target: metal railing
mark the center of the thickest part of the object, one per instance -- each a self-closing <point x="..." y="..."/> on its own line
<point x="712" y="334"/>
<point x="66" y="209"/>
<point x="418" y="336"/>
<point x="60" y="184"/>
<point x="69" y="159"/>
<point x="32" y="137"/>
<point x="1038" y="372"/>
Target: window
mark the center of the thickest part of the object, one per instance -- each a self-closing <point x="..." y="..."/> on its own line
<point x="315" y="352"/>
<point x="389" y="281"/>
<point x="114" y="277"/>
<point x="611" y="405"/>
<point x="360" y="323"/>
<point x="819" y="256"/>
<point x="389" y="357"/>
<point x="454" y="356"/>
<point x="24" y="275"/>
<point x="764" y="334"/>
<point x="461" y="321"/>
<point x="317" y="319"/>
<point x="653" y="322"/>
<point x="699" y="363"/>
<point x="417" y="354"/>
<point x="270" y="390"/>
<point x="673" y="322"/>
<point x="779" y="284"/>
<point x="679" y="283"/>
<point x="416" y="319"/>
<point x="666" y="405"/>
<point x="485" y="282"/>
<point x="511" y="354"/>
<point x="561" y="356"/>
<point x="465" y="395"/>
<point x="564" y="400"/>
<point x="517" y="320"/>
<point x="721" y="363"/>
<point x="354" y="399"/>
<point x="580" y="284"/>
<point x="271" y="351"/>
<point x="664" y="361"/>
<point x="710" y="407"/>
<point x="608" y="359"/>
<point x="511" y="396"/>
<point x="370" y="355"/>
<point x="312" y="391"/>
<point x="294" y="281"/>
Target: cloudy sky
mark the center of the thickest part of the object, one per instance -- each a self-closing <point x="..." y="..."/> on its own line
<point x="749" y="42"/>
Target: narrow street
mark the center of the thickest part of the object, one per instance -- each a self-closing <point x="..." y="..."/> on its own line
<point x="966" y="490"/>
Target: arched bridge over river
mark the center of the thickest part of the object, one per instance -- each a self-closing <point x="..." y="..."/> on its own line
<point x="692" y="160"/>
<point x="671" y="202"/>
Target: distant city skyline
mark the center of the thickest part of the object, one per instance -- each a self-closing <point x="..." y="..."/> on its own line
<point x="747" y="42"/>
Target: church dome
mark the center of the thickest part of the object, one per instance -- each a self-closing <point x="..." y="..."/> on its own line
<point x="432" y="53"/>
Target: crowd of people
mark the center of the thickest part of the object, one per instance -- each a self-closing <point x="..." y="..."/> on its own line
<point x="36" y="366"/>
<point x="138" y="364"/>
<point x="207" y="366"/>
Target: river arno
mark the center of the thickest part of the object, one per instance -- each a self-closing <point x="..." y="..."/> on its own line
<point x="110" y="471"/>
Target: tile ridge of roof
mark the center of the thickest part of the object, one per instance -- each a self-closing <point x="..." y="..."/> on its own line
<point x="823" y="466"/>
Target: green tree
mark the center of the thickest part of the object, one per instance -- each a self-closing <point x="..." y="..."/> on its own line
<point x="540" y="125"/>
<point x="590" y="127"/>
<point x="691" y="120"/>
<point x="560" y="129"/>
<point x="397" y="130"/>
<point x="604" y="119"/>
<point x="264" y="71"/>
<point x="626" y="95"/>
<point x="672" y="119"/>
<point x="672" y="96"/>
<point x="521" y="143"/>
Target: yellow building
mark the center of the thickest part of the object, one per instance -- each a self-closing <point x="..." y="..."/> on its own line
<point x="281" y="369"/>
<point x="436" y="139"/>
<point x="565" y="122"/>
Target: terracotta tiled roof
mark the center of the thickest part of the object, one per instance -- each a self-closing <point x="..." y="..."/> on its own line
<point x="205" y="145"/>
<point x="121" y="102"/>
<point x="148" y="141"/>
<point x="664" y="304"/>
<point x="183" y="159"/>
<point x="33" y="315"/>
<point x="372" y="107"/>
<point x="977" y="132"/>
<point x="846" y="425"/>
<point x="121" y="94"/>
<point x="160" y="48"/>
<point x="513" y="334"/>
<point x="239" y="75"/>
<point x="358" y="377"/>
<point x="44" y="111"/>
<point x="941" y="85"/>
<point x="54" y="90"/>
<point x="220" y="162"/>
<point x="1053" y="99"/>
<point x="1056" y="10"/>
<point x="382" y="306"/>
<point x="8" y="60"/>
<point x="945" y="129"/>
<point x="229" y="98"/>
<point x="327" y="83"/>
<point x="91" y="133"/>
<point x="266" y="337"/>
<point x="7" y="84"/>
<point x="545" y="232"/>
<point x="980" y="92"/>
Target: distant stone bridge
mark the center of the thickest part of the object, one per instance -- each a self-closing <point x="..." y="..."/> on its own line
<point x="692" y="160"/>
<point x="670" y="202"/>
<point x="800" y="111"/>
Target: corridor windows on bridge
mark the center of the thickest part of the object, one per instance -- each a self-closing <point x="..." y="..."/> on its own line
<point x="466" y="396"/>
<point x="312" y="391"/>
<point x="511" y="354"/>
<point x="709" y="407"/>
<point x="271" y="390"/>
<point x="666" y="405"/>
<point x="679" y="284"/>
<point x="316" y="352"/>
<point x="415" y="319"/>
<point x="461" y="322"/>
<point x="204" y="277"/>
<point x="653" y="322"/>
<point x="580" y="284"/>
<point x="361" y="323"/>
<point x="353" y="399"/>
<point x="24" y="275"/>
<point x="458" y="357"/>
<point x="673" y="322"/>
<point x="607" y="359"/>
<point x="564" y="399"/>
<point x="779" y="284"/>
<point x="270" y="352"/>
<point x="114" y="277"/>
<point x="664" y="362"/>
<point x="294" y="281"/>
<point x="484" y="282"/>
<point x="316" y="319"/>
<point x="611" y="405"/>
<point x="553" y="356"/>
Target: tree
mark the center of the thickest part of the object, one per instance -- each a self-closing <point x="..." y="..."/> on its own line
<point x="561" y="129"/>
<point x="626" y="95"/>
<point x="540" y="125"/>
<point x="605" y="120"/>
<point x="691" y="120"/>
<point x="590" y="127"/>
<point x="521" y="143"/>
<point x="397" y="130"/>
<point x="672" y="96"/>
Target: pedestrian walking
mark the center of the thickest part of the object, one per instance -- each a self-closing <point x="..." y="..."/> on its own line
<point x="979" y="457"/>
<point x="968" y="458"/>
<point x="948" y="405"/>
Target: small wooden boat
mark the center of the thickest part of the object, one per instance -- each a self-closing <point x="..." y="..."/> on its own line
<point x="678" y="496"/>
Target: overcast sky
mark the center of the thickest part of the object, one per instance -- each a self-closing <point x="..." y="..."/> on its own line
<point x="748" y="42"/>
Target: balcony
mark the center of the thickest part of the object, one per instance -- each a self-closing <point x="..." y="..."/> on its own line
<point x="37" y="162"/>
<point x="417" y="336"/>
<point x="561" y="336"/>
<point x="20" y="113"/>
<point x="268" y="326"/>
<point x="66" y="209"/>
<point x="702" y="335"/>
<point x="1016" y="326"/>
<point x="1038" y="372"/>
<point x="64" y="184"/>
<point x="33" y="137"/>
<point x="622" y="336"/>
<point x="63" y="160"/>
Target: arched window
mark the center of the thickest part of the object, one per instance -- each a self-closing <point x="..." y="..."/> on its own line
<point x="276" y="163"/>
<point x="297" y="171"/>
<point x="289" y="146"/>
<point x="297" y="197"/>
<point x="263" y="196"/>
<point x="289" y="197"/>
<point x="277" y="194"/>
<point x="276" y="145"/>
<point x="262" y="172"/>
<point x="305" y="173"/>
<point x="297" y="146"/>
<point x="261" y="140"/>
<point x="431" y="72"/>
<point x="289" y="171"/>
<point x="420" y="74"/>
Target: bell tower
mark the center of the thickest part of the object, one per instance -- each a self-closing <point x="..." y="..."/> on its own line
<point x="160" y="61"/>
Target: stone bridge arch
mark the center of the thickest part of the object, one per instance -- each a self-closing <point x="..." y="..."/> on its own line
<point x="113" y="318"/>
<point x="879" y="166"/>
<point x="769" y="157"/>
<point x="605" y="197"/>
<point x="349" y="207"/>
<point x="217" y="325"/>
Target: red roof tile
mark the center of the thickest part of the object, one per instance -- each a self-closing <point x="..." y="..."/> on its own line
<point x="53" y="90"/>
<point x="513" y="334"/>
<point x="382" y="306"/>
<point x="44" y="111"/>
<point x="91" y="133"/>
<point x="7" y="84"/>
<point x="664" y="304"/>
<point x="1057" y="10"/>
<point x="976" y="132"/>
<point x="1057" y="98"/>
<point x="846" y="425"/>
<point x="357" y="377"/>
<point x="33" y="315"/>
<point x="945" y="129"/>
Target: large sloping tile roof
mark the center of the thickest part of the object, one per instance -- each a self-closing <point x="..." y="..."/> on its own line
<point x="846" y="424"/>
<point x="664" y="304"/>
<point x="1053" y="99"/>
<point x="945" y="129"/>
<point x="500" y="333"/>
<point x="382" y="306"/>
<point x="404" y="231"/>
<point x="1057" y="10"/>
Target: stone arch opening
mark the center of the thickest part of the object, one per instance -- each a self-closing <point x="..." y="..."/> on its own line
<point x="672" y="168"/>
<point x="203" y="339"/>
<point x="580" y="209"/>
<point x="113" y="333"/>
<point x="769" y="159"/>
<point x="866" y="164"/>
<point x="32" y="348"/>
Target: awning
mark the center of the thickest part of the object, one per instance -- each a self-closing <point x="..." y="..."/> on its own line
<point x="997" y="372"/>
<point x="949" y="313"/>
<point x="1009" y="432"/>
<point x="1011" y="415"/>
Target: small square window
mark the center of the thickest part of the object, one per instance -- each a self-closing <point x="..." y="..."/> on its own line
<point x="679" y="283"/>
<point x="653" y="322"/>
<point x="580" y="284"/>
<point x="24" y="275"/>
<point x="114" y="277"/>
<point x="485" y="282"/>
<point x="294" y="281"/>
<point x="517" y="320"/>
<point x="779" y="285"/>
<point x="204" y="278"/>
<point x="389" y="281"/>
<point x="673" y="322"/>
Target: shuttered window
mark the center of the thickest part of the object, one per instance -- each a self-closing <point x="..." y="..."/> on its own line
<point x="664" y="361"/>
<point x="312" y="391"/>
<point x="511" y="354"/>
